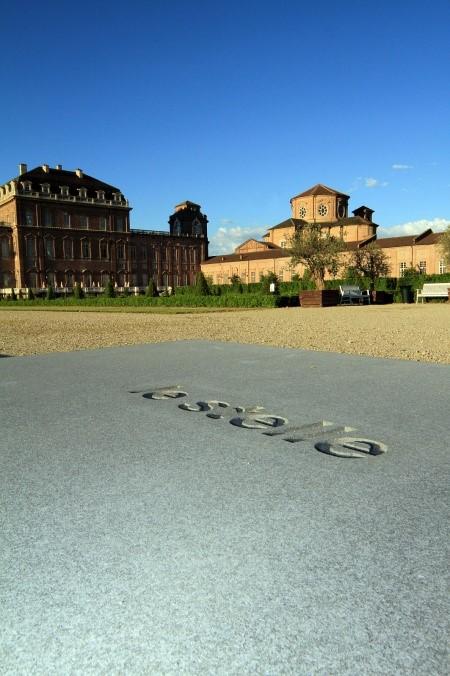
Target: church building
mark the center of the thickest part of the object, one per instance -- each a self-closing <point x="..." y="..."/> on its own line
<point x="329" y="208"/>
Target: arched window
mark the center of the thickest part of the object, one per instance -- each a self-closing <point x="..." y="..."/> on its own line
<point x="51" y="278"/>
<point x="86" y="277"/>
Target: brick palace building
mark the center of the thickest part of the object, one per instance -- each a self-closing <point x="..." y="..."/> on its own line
<point x="328" y="207"/>
<point x="63" y="227"/>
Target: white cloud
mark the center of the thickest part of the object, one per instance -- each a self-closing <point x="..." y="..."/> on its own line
<point x="400" y="167"/>
<point x="227" y="238"/>
<point x="414" y="227"/>
<point x="374" y="183"/>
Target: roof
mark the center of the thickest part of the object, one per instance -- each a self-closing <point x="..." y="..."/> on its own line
<point x="289" y="223"/>
<point x="427" y="237"/>
<point x="187" y="203"/>
<point x="250" y="256"/>
<point x="60" y="177"/>
<point x="320" y="189"/>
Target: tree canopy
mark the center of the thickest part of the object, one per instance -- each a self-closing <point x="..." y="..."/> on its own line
<point x="371" y="262"/>
<point x="317" y="250"/>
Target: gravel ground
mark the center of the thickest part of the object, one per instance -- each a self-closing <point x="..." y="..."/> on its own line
<point x="415" y="332"/>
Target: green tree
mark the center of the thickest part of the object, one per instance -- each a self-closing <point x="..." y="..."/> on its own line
<point x="444" y="245"/>
<point x="201" y="287"/>
<point x="370" y="261"/>
<point x="317" y="250"/>
<point x="151" y="291"/>
<point x="268" y="279"/>
<point x="109" y="291"/>
<point x="236" y="284"/>
<point x="78" y="292"/>
<point x="50" y="295"/>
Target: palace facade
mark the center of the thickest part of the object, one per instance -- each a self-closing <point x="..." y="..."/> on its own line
<point x="60" y="227"/>
<point x="330" y="209"/>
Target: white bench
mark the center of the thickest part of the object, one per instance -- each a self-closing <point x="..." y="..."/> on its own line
<point x="433" y="290"/>
<point x="353" y="294"/>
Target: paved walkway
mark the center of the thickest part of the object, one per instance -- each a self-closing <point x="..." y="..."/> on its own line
<point x="138" y="537"/>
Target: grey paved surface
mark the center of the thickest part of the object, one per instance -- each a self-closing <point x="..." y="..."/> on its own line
<point x="140" y="538"/>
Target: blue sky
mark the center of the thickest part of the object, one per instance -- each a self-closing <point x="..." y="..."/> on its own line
<point x="237" y="106"/>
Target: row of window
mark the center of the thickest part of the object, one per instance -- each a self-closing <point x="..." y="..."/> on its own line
<point x="52" y="218"/>
<point x="422" y="267"/>
<point x="86" y="278"/>
<point x="65" y="191"/>
<point x="122" y="249"/>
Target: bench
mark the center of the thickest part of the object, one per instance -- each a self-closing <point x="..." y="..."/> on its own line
<point x="433" y="290"/>
<point x="353" y="294"/>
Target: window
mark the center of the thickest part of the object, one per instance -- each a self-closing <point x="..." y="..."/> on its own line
<point x="45" y="188"/>
<point x="104" y="249"/>
<point x="69" y="278"/>
<point x="68" y="248"/>
<point x="104" y="278"/>
<point x="50" y="247"/>
<point x="143" y="253"/>
<point x="133" y="253"/>
<point x="26" y="186"/>
<point x="66" y="219"/>
<point x="423" y="267"/>
<point x="402" y="269"/>
<point x="51" y="279"/>
<point x="48" y="221"/>
<point x="302" y="212"/>
<point x="442" y="266"/>
<point x="119" y="223"/>
<point x="120" y="250"/>
<point x="83" y="221"/>
<point x="82" y="193"/>
<point x="33" y="280"/>
<point x="283" y="244"/>
<point x="322" y="210"/>
<point x="5" y="248"/>
<point x="100" y="195"/>
<point x="30" y="247"/>
<point x="5" y="280"/>
<point x="29" y="220"/>
<point x="85" y="248"/>
<point x="86" y="278"/>
<point x="102" y="223"/>
<point x="64" y="190"/>
<point x="144" y="279"/>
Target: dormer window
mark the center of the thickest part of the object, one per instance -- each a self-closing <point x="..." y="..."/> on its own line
<point x="45" y="188"/>
<point x="26" y="186"/>
<point x="82" y="192"/>
<point x="196" y="228"/>
<point x="117" y="196"/>
<point x="64" y="190"/>
<point x="100" y="194"/>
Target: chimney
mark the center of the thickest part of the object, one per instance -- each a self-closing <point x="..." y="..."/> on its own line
<point x="59" y="167"/>
<point x="46" y="168"/>
<point x="79" y="173"/>
<point x="22" y="169"/>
